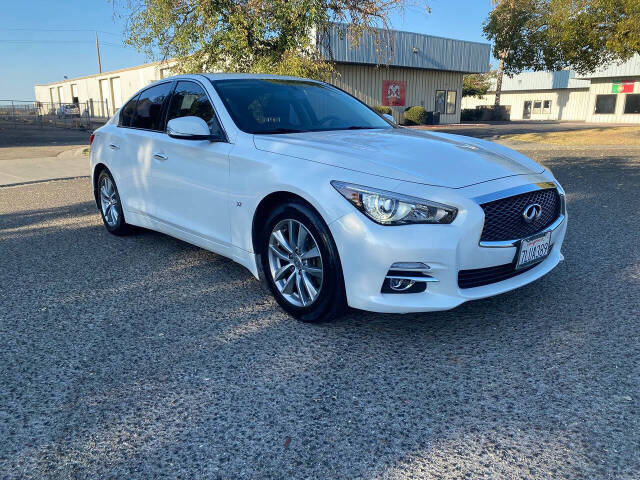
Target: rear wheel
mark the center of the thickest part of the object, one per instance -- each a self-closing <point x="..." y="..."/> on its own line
<point x="300" y="263"/>
<point x="110" y="205"/>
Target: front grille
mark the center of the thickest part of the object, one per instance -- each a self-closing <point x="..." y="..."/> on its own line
<point x="503" y="218"/>
<point x="479" y="277"/>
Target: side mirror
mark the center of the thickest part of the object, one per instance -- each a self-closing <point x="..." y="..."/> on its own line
<point x="389" y="117"/>
<point x="189" y="128"/>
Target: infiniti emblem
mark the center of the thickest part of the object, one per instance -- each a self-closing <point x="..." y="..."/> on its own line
<point x="532" y="212"/>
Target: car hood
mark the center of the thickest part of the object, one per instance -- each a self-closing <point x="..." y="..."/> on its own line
<point x="405" y="154"/>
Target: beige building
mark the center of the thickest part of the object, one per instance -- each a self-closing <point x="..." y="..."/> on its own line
<point x="102" y="93"/>
<point x="419" y="70"/>
<point x="610" y="95"/>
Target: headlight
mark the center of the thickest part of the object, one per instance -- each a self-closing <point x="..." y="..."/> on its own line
<point x="388" y="208"/>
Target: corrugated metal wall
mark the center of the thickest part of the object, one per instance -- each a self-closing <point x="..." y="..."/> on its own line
<point x="365" y="83"/>
<point x="407" y="49"/>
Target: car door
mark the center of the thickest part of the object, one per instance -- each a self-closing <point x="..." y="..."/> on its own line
<point x="190" y="177"/>
<point x="141" y="125"/>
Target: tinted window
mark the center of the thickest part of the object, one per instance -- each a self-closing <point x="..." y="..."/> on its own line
<point x="605" y="104"/>
<point x="148" y="112"/>
<point x="286" y="106"/>
<point x="632" y="104"/>
<point x="190" y="100"/>
<point x="126" y="114"/>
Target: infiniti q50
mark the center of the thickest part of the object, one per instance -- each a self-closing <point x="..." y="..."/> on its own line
<point x="331" y="204"/>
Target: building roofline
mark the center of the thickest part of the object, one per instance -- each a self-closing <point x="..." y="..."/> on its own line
<point x="391" y="30"/>
<point x="110" y="72"/>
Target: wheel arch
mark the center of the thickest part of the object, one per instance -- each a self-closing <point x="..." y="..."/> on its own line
<point x="269" y="202"/>
<point x="97" y="170"/>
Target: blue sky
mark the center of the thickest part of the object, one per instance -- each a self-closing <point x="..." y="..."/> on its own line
<point x="32" y="50"/>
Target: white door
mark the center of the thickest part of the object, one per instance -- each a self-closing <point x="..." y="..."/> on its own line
<point x="190" y="177"/>
<point x="105" y="107"/>
<point x="141" y="125"/>
<point x="116" y="94"/>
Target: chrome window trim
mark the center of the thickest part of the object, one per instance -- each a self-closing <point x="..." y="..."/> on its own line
<point x="510" y="192"/>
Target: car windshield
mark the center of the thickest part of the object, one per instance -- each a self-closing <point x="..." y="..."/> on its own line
<point x="262" y="106"/>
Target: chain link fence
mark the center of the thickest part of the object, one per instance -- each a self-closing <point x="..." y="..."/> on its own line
<point x="81" y="115"/>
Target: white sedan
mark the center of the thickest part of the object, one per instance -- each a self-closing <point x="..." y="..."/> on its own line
<point x="328" y="202"/>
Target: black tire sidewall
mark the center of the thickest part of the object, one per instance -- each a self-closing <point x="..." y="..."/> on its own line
<point x="121" y="227"/>
<point x="331" y="300"/>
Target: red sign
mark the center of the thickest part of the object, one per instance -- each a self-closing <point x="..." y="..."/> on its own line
<point x="393" y="93"/>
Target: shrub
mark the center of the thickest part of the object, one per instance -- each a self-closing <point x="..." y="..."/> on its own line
<point x="382" y="110"/>
<point x="416" y="115"/>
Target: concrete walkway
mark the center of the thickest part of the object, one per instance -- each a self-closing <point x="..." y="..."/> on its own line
<point x="28" y="169"/>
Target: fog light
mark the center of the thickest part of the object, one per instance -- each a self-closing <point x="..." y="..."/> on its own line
<point x="400" y="285"/>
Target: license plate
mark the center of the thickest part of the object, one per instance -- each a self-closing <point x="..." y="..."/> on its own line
<point x="533" y="250"/>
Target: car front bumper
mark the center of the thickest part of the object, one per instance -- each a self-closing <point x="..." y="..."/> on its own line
<point x="367" y="251"/>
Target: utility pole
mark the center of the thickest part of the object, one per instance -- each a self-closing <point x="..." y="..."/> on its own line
<point x="98" y="50"/>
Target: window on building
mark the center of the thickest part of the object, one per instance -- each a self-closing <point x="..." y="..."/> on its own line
<point x="546" y="106"/>
<point x="148" y="112"/>
<point x="440" y="101"/>
<point x="451" y="101"/>
<point x="126" y="113"/>
<point x="632" y="103"/>
<point x="190" y="100"/>
<point x="606" y="104"/>
<point x="537" y="106"/>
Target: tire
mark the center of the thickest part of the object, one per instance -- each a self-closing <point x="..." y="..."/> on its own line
<point x="302" y="274"/>
<point x="109" y="204"/>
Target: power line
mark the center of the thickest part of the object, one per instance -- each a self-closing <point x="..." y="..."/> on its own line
<point x="62" y="30"/>
<point x="29" y="42"/>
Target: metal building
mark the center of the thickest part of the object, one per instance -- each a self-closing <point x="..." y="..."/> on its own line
<point x="608" y="95"/>
<point x="414" y="69"/>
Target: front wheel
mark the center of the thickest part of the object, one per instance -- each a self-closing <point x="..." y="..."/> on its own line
<point x="300" y="264"/>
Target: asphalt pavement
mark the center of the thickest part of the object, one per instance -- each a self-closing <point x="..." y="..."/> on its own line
<point x="144" y="357"/>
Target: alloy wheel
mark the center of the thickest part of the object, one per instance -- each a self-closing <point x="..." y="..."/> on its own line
<point x="109" y="201"/>
<point x="295" y="263"/>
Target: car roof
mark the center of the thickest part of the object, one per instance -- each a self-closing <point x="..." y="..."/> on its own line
<point x="235" y="76"/>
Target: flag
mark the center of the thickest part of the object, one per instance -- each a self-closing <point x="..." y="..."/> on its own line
<point x="624" y="87"/>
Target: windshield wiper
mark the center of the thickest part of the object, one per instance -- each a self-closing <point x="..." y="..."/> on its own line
<point x="281" y="130"/>
<point x="359" y="127"/>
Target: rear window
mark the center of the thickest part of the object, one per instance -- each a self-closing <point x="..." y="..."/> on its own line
<point x="150" y="106"/>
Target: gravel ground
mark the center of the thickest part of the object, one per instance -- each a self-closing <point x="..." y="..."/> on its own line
<point x="143" y="356"/>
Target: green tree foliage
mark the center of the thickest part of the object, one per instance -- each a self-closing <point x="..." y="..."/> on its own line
<point x="266" y="36"/>
<point x="477" y="84"/>
<point x="555" y="34"/>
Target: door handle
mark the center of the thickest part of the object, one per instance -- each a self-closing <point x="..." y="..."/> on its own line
<point x="113" y="146"/>
<point x="159" y="156"/>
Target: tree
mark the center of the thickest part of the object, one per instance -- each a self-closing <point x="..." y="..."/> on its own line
<point x="477" y="84"/>
<point x="267" y="36"/>
<point x="506" y="26"/>
<point x="556" y="34"/>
